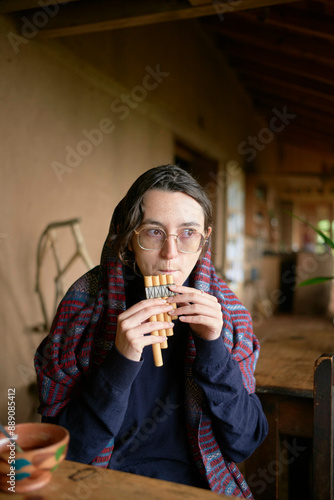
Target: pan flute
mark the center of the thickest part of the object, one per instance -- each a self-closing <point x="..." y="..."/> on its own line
<point x="158" y="287"/>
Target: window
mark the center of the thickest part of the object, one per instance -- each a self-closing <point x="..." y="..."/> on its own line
<point x="235" y="226"/>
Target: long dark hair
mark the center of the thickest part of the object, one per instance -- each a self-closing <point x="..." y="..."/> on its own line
<point x="129" y="212"/>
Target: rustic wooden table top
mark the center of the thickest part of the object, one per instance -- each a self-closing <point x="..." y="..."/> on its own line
<point x="289" y="347"/>
<point x="73" y="481"/>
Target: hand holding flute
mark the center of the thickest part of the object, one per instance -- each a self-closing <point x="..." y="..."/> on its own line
<point x="135" y="330"/>
<point x="158" y="286"/>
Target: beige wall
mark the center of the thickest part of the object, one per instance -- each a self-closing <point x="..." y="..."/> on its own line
<point x="50" y="93"/>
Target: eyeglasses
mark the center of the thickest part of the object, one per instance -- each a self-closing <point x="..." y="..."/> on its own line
<point x="153" y="238"/>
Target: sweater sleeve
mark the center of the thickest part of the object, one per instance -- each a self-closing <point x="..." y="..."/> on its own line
<point x="238" y="420"/>
<point x="95" y="413"/>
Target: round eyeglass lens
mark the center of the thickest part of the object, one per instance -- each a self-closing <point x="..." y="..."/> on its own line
<point x="151" y="238"/>
<point x="188" y="240"/>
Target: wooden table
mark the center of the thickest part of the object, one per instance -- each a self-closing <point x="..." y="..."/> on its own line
<point x="75" y="481"/>
<point x="295" y="385"/>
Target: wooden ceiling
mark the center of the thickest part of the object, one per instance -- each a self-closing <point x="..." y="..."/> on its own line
<point x="281" y="51"/>
<point x="284" y="56"/>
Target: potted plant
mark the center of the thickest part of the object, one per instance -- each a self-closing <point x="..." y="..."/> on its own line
<point x="327" y="241"/>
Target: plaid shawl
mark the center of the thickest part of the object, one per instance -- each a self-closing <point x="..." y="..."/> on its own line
<point x="83" y="333"/>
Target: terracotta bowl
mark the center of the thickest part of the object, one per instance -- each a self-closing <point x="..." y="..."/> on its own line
<point x="44" y="447"/>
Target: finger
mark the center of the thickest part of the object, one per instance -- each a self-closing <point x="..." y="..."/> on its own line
<point x="190" y="294"/>
<point x="146" y="329"/>
<point x="135" y="315"/>
<point x="200" y="319"/>
<point x="143" y="304"/>
<point x="199" y="310"/>
<point x="150" y="340"/>
<point x="198" y="306"/>
<point x="205" y="327"/>
<point x="139" y="343"/>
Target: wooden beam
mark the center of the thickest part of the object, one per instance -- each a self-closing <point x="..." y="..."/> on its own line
<point x="195" y="3"/>
<point x="102" y="15"/>
<point x="256" y="34"/>
<point x="293" y="83"/>
<point x="314" y="129"/>
<point x="309" y="129"/>
<point x="306" y="139"/>
<point x="283" y="90"/>
<point x="294" y="128"/>
<point x="9" y="6"/>
<point x="247" y="54"/>
<point x="321" y="121"/>
<point x="282" y="67"/>
<point x="300" y="21"/>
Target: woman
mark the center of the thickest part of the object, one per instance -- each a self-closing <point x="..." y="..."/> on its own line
<point x="190" y="420"/>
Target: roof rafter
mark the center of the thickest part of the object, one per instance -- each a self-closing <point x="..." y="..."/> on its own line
<point x="88" y="17"/>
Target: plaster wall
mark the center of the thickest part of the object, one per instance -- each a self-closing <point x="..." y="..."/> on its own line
<point x="54" y="93"/>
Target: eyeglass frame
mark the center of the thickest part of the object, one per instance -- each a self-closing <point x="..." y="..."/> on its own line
<point x="201" y="245"/>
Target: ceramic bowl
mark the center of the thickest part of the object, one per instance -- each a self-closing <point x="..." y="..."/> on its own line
<point x="44" y="447"/>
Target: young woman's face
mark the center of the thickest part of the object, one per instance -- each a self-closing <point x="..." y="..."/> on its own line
<point x="172" y="212"/>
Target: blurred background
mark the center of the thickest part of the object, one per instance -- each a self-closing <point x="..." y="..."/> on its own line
<point x="239" y="93"/>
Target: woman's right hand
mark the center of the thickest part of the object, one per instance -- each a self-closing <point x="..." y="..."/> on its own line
<point x="134" y="328"/>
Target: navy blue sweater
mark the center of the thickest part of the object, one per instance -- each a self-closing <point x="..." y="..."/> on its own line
<point x="142" y="408"/>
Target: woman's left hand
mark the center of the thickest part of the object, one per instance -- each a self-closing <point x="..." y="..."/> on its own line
<point x="201" y="310"/>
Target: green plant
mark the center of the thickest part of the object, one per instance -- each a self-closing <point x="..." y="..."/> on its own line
<point x="327" y="241"/>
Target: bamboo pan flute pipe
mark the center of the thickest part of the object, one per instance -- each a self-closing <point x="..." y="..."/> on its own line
<point x="157" y="287"/>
